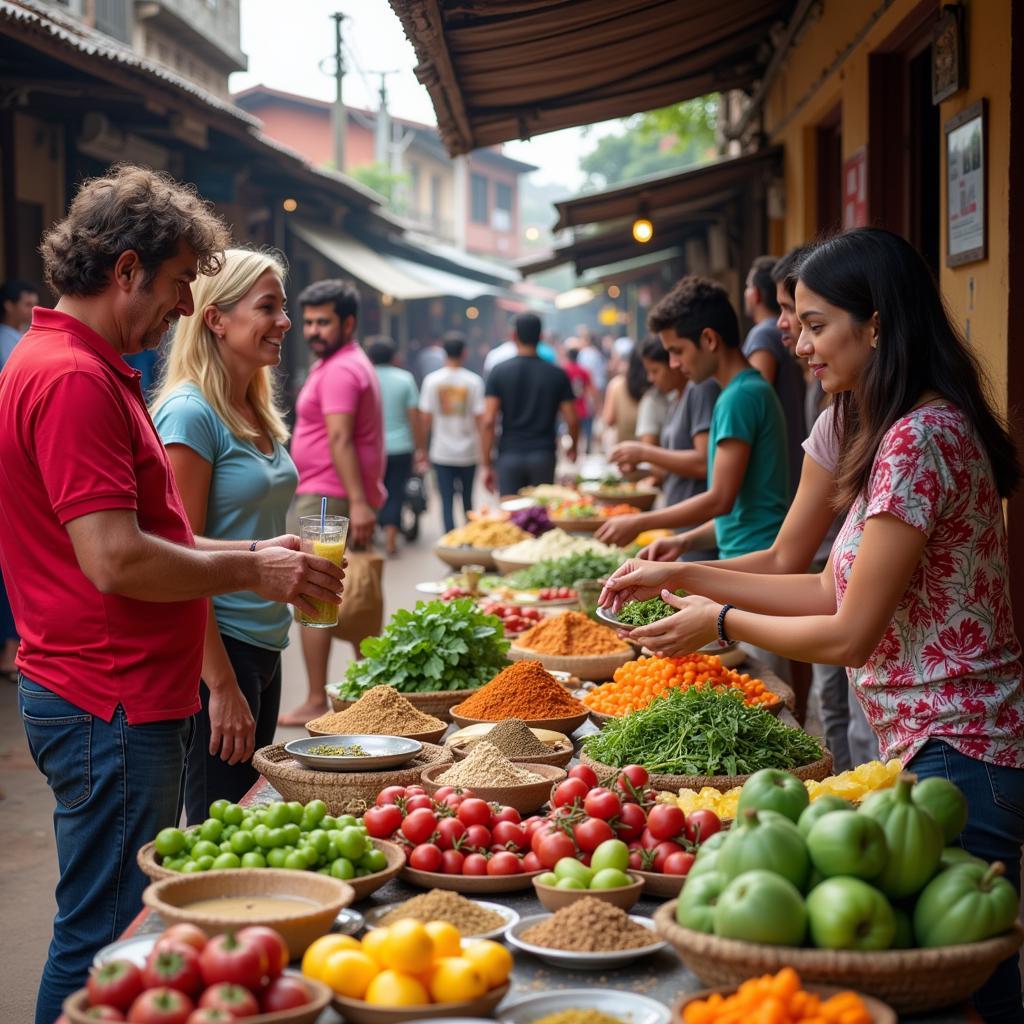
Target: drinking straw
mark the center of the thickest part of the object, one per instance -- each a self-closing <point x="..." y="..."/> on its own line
<point x="323" y="517"/>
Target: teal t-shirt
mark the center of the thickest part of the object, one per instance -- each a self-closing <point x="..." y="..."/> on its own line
<point x="398" y="394"/>
<point x="249" y="497"/>
<point x="748" y="409"/>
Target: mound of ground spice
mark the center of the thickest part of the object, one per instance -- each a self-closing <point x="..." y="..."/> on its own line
<point x="381" y="711"/>
<point x="524" y="690"/>
<point x="588" y="925"/>
<point x="571" y="634"/>
<point x="487" y="766"/>
<point x="513" y="738"/>
<point x="440" y="905"/>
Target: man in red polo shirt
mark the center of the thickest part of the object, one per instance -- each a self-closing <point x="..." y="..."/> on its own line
<point x="106" y="581"/>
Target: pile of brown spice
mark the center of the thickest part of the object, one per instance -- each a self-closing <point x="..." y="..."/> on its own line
<point x="523" y="690"/>
<point x="486" y="766"/>
<point x="571" y="634"/>
<point x="513" y="738"/>
<point x="589" y="925"/>
<point x="440" y="905"/>
<point x="381" y="711"/>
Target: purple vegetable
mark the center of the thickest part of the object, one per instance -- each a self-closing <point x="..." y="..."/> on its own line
<point x="534" y="520"/>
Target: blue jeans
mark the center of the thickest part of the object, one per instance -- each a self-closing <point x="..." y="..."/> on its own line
<point x="447" y="478"/>
<point x="116" y="785"/>
<point x="524" y="469"/>
<point x="995" y="831"/>
<point x="396" y="476"/>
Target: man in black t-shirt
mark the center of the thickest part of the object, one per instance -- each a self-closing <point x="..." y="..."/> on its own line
<point x="528" y="393"/>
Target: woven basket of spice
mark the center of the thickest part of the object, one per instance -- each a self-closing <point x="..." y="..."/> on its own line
<point x="571" y="642"/>
<point x="381" y="711"/>
<point x="436" y="703"/>
<point x="909" y="980"/>
<point x="343" y="792"/>
<point x="524" y="690"/>
<point x="519" y="743"/>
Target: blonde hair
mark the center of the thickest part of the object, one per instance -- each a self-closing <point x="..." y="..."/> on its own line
<point x="195" y="358"/>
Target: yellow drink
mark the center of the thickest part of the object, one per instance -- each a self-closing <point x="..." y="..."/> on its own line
<point x="326" y="612"/>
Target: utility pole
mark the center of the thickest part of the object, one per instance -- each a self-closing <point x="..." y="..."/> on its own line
<point x="382" y="135"/>
<point x="338" y="118"/>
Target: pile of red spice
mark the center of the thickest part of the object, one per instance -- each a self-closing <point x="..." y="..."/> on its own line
<point x="523" y="690"/>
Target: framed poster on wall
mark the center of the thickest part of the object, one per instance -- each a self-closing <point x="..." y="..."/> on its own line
<point x="966" y="201"/>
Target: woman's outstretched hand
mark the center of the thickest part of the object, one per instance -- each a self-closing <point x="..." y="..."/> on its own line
<point x="690" y="629"/>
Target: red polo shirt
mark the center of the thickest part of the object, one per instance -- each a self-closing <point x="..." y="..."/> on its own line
<point x="76" y="438"/>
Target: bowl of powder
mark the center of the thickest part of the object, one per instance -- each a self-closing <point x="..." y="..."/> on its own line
<point x="572" y="642"/>
<point x="381" y="711"/>
<point x="518" y="742"/>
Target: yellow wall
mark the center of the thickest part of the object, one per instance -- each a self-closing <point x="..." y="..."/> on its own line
<point x="829" y="65"/>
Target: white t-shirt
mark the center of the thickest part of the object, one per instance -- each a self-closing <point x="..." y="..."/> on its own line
<point x="454" y="397"/>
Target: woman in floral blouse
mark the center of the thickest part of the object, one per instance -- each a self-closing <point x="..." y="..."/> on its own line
<point x="915" y="594"/>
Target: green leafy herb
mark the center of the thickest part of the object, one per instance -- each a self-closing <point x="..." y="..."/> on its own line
<point x="702" y="731"/>
<point x="563" y="572"/>
<point x="643" y="613"/>
<point x="437" y="646"/>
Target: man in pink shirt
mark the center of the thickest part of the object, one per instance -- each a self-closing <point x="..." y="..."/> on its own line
<point x="338" y="448"/>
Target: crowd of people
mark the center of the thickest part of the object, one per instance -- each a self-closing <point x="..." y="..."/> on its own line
<point x="832" y="481"/>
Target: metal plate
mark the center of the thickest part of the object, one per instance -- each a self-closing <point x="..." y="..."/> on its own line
<point x="349" y="922"/>
<point x="382" y="752"/>
<point x="629" y="1007"/>
<point x="576" y="960"/>
<point x="511" y="918"/>
<point x="136" y="949"/>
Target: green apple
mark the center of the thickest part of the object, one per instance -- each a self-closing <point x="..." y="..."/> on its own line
<point x="847" y="913"/>
<point x="841" y="843"/>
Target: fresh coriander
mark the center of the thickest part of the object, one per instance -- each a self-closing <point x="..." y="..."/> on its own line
<point x="643" y="613"/>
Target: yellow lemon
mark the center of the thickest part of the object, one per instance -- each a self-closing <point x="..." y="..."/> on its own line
<point x="349" y="972"/>
<point x="373" y="945"/>
<point x="392" y="988"/>
<point x="315" y="957"/>
<point x="446" y="938"/>
<point x="492" y="959"/>
<point x="456" y="979"/>
<point x="409" y="947"/>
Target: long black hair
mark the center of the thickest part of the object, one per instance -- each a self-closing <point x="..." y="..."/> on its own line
<point x="867" y="271"/>
<point x="636" y="375"/>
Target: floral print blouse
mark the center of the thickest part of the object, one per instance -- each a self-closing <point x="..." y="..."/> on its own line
<point x="949" y="664"/>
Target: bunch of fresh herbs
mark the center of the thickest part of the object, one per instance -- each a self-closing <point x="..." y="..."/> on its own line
<point x="701" y="731"/>
<point x="643" y="613"/>
<point x="437" y="646"/>
<point x="563" y="572"/>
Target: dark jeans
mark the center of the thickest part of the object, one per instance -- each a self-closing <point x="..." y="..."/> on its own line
<point x="396" y="476"/>
<point x="207" y="777"/>
<point x="7" y="628"/>
<point x="116" y="785"/>
<point x="995" y="831"/>
<point x="448" y="477"/>
<point x="524" y="469"/>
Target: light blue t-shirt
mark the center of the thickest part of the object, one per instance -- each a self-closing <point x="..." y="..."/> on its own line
<point x="398" y="394"/>
<point x="748" y="409"/>
<point x="249" y="497"/>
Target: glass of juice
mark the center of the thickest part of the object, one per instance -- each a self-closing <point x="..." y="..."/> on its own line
<point x="329" y="543"/>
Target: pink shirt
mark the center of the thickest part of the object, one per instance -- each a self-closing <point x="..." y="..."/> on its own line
<point x="344" y="382"/>
<point x="821" y="443"/>
<point x="948" y="666"/>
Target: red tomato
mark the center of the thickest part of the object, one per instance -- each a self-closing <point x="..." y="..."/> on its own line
<point x="474" y="811"/>
<point x="187" y="933"/>
<point x="450" y="831"/>
<point x="636" y="861"/>
<point x="176" y="968"/>
<point x="506" y="832"/>
<point x="161" y="1006"/>
<point x="647" y="841"/>
<point x="701" y="825"/>
<point x="284" y="993"/>
<point x="663" y="851"/>
<point x="416" y="790"/>
<point x="633" y="778"/>
<point x="419" y="826"/>
<point x="104" y="1013"/>
<point x="602" y="803"/>
<point x="533" y="823"/>
<point x="531" y="862"/>
<point x="506" y="814"/>
<point x="452" y="802"/>
<point x="208" y="1015"/>
<point x="478" y="836"/>
<point x="475" y="864"/>
<point x="568" y="791"/>
<point x="590" y="833"/>
<point x="504" y="864"/>
<point x="233" y="999"/>
<point x="389" y="795"/>
<point x="382" y="822"/>
<point x="631" y="823"/>
<point x="678" y="863"/>
<point x="666" y="821"/>
<point x="552" y="847"/>
<point x="444" y="791"/>
<point x="419" y="802"/>
<point x="585" y="773"/>
<point x="117" y="983"/>
<point x="452" y="862"/>
<point x="273" y="945"/>
<point x="426" y="857"/>
<point x="229" y="958"/>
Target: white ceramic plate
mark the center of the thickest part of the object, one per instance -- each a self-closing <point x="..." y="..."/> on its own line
<point x="511" y="917"/>
<point x="381" y="752"/>
<point x="432" y="587"/>
<point x="136" y="949"/>
<point x="575" y="960"/>
<point x="626" y="1006"/>
<point x="517" y="504"/>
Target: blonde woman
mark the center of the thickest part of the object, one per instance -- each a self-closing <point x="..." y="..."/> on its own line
<point x="224" y="433"/>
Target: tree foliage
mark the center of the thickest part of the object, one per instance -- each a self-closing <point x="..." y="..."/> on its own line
<point x="658" y="140"/>
<point x="381" y="179"/>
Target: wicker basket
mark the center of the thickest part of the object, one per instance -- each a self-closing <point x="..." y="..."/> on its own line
<point x="434" y="702"/>
<point x="458" y="557"/>
<point x="817" y="770"/>
<point x="566" y="726"/>
<point x="598" y="667"/>
<point x="343" y="792"/>
<point x="909" y="980"/>
<point x="423" y="737"/>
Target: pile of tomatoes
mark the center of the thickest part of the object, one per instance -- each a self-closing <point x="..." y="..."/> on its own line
<point x="556" y="594"/>
<point x="513" y="618"/>
<point x="190" y="979"/>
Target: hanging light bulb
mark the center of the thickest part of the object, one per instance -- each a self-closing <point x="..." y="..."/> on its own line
<point x="643" y="230"/>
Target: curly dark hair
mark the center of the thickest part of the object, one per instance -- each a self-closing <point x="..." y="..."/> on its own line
<point x="696" y="303"/>
<point x="129" y="209"/>
<point x="342" y="295"/>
